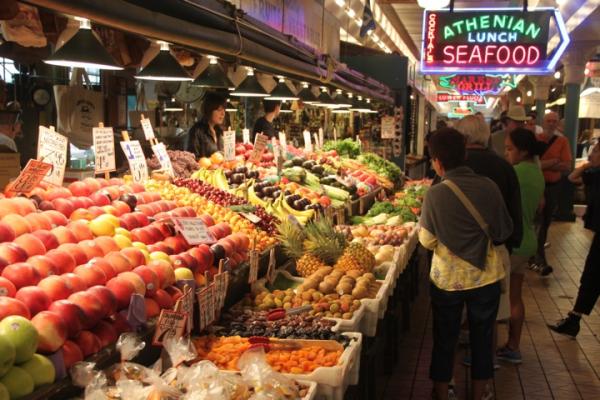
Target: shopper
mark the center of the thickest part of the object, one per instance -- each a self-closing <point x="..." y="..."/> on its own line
<point x="465" y="270"/>
<point x="589" y="289"/>
<point x="264" y="124"/>
<point x="10" y="127"/>
<point x="555" y="160"/>
<point x="522" y="149"/>
<point x="206" y="136"/>
<point x="515" y="118"/>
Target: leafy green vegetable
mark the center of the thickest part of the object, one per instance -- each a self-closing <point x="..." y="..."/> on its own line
<point x="381" y="166"/>
<point x="381" y="207"/>
<point x="347" y="147"/>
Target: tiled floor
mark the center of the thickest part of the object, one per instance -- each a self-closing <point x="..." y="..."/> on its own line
<point x="554" y="367"/>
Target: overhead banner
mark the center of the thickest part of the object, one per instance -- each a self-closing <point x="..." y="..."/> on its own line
<point x="443" y="97"/>
<point x="494" y="41"/>
<point x="477" y="84"/>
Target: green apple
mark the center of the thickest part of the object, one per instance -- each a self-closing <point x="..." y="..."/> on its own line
<point x="41" y="370"/>
<point x="18" y="383"/>
<point x="4" y="395"/>
<point x="22" y="334"/>
<point x="7" y="356"/>
<point x="183" y="273"/>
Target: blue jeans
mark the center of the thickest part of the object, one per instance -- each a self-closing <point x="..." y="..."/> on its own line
<point x="482" y="308"/>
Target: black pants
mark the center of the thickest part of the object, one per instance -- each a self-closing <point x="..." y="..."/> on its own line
<point x="482" y="308"/>
<point x="589" y="288"/>
<point x="551" y="194"/>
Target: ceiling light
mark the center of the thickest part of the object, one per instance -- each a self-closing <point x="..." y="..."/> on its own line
<point x="282" y="91"/>
<point x="83" y="50"/>
<point x="325" y="100"/>
<point x="285" y="108"/>
<point x="358" y="105"/>
<point x="369" y="108"/>
<point x="340" y="3"/>
<point x="433" y="4"/>
<point x="586" y="71"/>
<point x="173" y="106"/>
<point x="529" y="93"/>
<point x="230" y="107"/>
<point x="557" y="75"/>
<point x="341" y="111"/>
<point x="213" y="76"/>
<point x="341" y="100"/>
<point x="250" y="87"/>
<point x="306" y="95"/>
<point x="350" y="12"/>
<point x="163" y="67"/>
<point x="518" y="99"/>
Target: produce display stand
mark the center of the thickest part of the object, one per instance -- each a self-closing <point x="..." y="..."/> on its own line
<point x="361" y="205"/>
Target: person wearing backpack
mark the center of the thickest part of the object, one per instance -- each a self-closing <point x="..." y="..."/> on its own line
<point x="462" y="220"/>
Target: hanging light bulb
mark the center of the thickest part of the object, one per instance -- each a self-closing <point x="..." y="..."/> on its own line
<point x="164" y="67"/>
<point x="306" y="95"/>
<point x="340" y="100"/>
<point x="282" y="91"/>
<point x="230" y="107"/>
<point x="529" y="93"/>
<point x="370" y="109"/>
<point x="173" y="105"/>
<point x="285" y="108"/>
<point x="213" y="76"/>
<point x="83" y="50"/>
<point x="433" y="4"/>
<point x="325" y="99"/>
<point x="250" y="87"/>
<point x="358" y="105"/>
<point x="518" y="99"/>
<point x="557" y="75"/>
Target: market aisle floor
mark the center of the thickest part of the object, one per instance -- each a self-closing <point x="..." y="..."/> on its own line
<point x="554" y="367"/>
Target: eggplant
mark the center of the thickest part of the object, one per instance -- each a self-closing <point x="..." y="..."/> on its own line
<point x="299" y="204"/>
<point x="240" y="170"/>
<point x="238" y="178"/>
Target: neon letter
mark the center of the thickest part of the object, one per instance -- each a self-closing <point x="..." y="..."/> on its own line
<point x="503" y="59"/>
<point x="533" y="31"/>
<point x="484" y="21"/>
<point x="489" y="53"/>
<point x="519" y="26"/>
<point x="475" y="54"/>
<point x="461" y="53"/>
<point x="471" y="24"/>
<point x="512" y="37"/>
<point x="448" y="51"/>
<point x="502" y="37"/>
<point x="448" y="32"/>
<point x="533" y="55"/>
<point x="458" y="25"/>
<point x="499" y="21"/>
<point x="523" y="55"/>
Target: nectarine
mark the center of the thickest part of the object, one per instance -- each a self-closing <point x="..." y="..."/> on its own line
<point x="71" y="314"/>
<point x="52" y="331"/>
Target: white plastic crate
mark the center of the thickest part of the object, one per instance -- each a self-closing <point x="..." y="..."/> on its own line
<point x="374" y="309"/>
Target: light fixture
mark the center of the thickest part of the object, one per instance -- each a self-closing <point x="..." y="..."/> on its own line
<point x="230" y="107"/>
<point x="164" y="67"/>
<point x="350" y="12"/>
<point x="285" y="108"/>
<point x="306" y="95"/>
<point x="586" y="71"/>
<point x="370" y="110"/>
<point x="529" y="93"/>
<point x="325" y="100"/>
<point x="173" y="106"/>
<point x="282" y="91"/>
<point x="341" y="111"/>
<point x="357" y="104"/>
<point x="553" y="90"/>
<point x="83" y="50"/>
<point x="250" y="87"/>
<point x="340" y="3"/>
<point x="433" y="4"/>
<point x="340" y="100"/>
<point x="518" y="99"/>
<point x="213" y="76"/>
<point x="557" y="75"/>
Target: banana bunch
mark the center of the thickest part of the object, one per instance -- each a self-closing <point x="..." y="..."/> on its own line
<point x="254" y="199"/>
<point x="242" y="189"/>
<point x="200" y="174"/>
<point x="276" y="208"/>
<point x="220" y="180"/>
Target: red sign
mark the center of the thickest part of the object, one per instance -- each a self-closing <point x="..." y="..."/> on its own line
<point x="446" y="97"/>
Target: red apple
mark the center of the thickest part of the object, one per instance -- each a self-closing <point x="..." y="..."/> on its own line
<point x="21" y="275"/>
<point x="79" y="188"/>
<point x="184" y="260"/>
<point x="90" y="274"/>
<point x="138" y="282"/>
<point x="119" y="322"/>
<point x="34" y="298"/>
<point x="149" y="277"/>
<point x="106" y="297"/>
<point x="63" y="235"/>
<point x="56" y="217"/>
<point x="74" y="282"/>
<point x="103" y="264"/>
<point x="174" y="292"/>
<point x="164" y="300"/>
<point x="100" y="199"/>
<point x="31" y="244"/>
<point x="91" y="307"/>
<point x="75" y="251"/>
<point x="106" y="333"/>
<point x="121" y="207"/>
<point x="55" y="287"/>
<point x="94" y="184"/>
<point x="141" y="218"/>
<point x="71" y="314"/>
<point x="159" y="246"/>
<point x="57" y="193"/>
<point x="119" y="262"/>
<point x="152" y="308"/>
<point x="10" y="306"/>
<point x="7" y="233"/>
<point x="64" y="261"/>
<point x="48" y="239"/>
<point x="7" y="288"/>
<point x="176" y="243"/>
<point x="52" y="331"/>
<point x="88" y="343"/>
<point x="12" y="253"/>
<point x="71" y="354"/>
<point x="122" y="289"/>
<point x="44" y="265"/>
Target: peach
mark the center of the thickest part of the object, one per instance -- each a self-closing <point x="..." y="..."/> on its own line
<point x="7" y="288"/>
<point x="106" y="333"/>
<point x="71" y="314"/>
<point x="149" y="277"/>
<point x="164" y="271"/>
<point x="106" y="297"/>
<point x="79" y="188"/>
<point x="34" y="298"/>
<point x="48" y="239"/>
<point x="100" y="199"/>
<point x="44" y="265"/>
<point x="56" y="217"/>
<point x="177" y="244"/>
<point x="91" y="307"/>
<point x="64" y="261"/>
<point x="90" y="274"/>
<point x="121" y="207"/>
<point x="159" y="246"/>
<point x="81" y="213"/>
<point x="81" y="230"/>
<point x="93" y="184"/>
<point x="57" y="193"/>
<point x="135" y="256"/>
<point x="163" y="299"/>
<point x="74" y="282"/>
<point x="111" y="210"/>
<point x="207" y="219"/>
<point x="55" y="287"/>
<point x="122" y="289"/>
<point x="52" y="331"/>
<point x="21" y="275"/>
<point x="119" y="262"/>
<point x="103" y="264"/>
<point x="39" y="221"/>
<point x="96" y="211"/>
<point x="76" y="251"/>
<point x="63" y="206"/>
<point x="152" y="308"/>
<point x="24" y="205"/>
<point x="112" y="191"/>
<point x="174" y="292"/>
<point x="142" y="219"/>
<point x="88" y="343"/>
<point x="18" y="223"/>
<point x="137" y="187"/>
<point x="184" y="260"/>
<point x="119" y="322"/>
<point x="31" y="244"/>
<point x="7" y="233"/>
<point x="12" y="253"/>
<point x="63" y="235"/>
<point x="10" y="306"/>
<point x="91" y="249"/>
<point x="138" y="282"/>
<point x="71" y="354"/>
<point x="107" y="244"/>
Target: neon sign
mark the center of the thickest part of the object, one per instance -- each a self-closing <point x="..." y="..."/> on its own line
<point x="459" y="112"/>
<point x="443" y="97"/>
<point x="493" y="41"/>
<point x="477" y="84"/>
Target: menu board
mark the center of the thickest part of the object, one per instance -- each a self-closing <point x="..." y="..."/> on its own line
<point x="136" y="159"/>
<point x="104" y="150"/>
<point x="52" y="149"/>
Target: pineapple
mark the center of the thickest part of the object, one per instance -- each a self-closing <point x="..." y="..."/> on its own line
<point x="308" y="264"/>
<point x="323" y="241"/>
<point x="356" y="257"/>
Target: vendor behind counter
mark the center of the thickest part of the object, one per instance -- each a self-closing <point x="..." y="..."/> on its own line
<point x="264" y="124"/>
<point x="206" y="136"/>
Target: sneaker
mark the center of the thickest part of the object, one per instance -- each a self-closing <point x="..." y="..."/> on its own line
<point x="508" y="355"/>
<point x="567" y="326"/>
<point x="467" y="362"/>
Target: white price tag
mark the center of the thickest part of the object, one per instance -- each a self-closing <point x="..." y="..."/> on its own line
<point x="221" y="284"/>
<point x="52" y="149"/>
<point x="246" y="135"/>
<point x="283" y="141"/>
<point x="136" y="159"/>
<point x="255" y="219"/>
<point x="160" y="151"/>
<point x="307" y="142"/>
<point x="147" y="128"/>
<point x="206" y="300"/>
<point x="229" y="145"/>
<point x="317" y="145"/>
<point x="260" y="144"/>
<point x="104" y="150"/>
<point x="388" y="127"/>
<point x="321" y="137"/>
<point x="335" y="134"/>
<point x="194" y="231"/>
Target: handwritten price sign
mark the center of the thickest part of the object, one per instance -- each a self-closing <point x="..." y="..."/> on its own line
<point x="33" y="173"/>
<point x="221" y="284"/>
<point x="52" y="149"/>
<point x="206" y="304"/>
<point x="307" y="142"/>
<point x="136" y="160"/>
<point x="160" y="151"/>
<point x="170" y="325"/>
<point x="147" y="128"/>
<point x="229" y="145"/>
<point x="194" y="231"/>
<point x="104" y="150"/>
<point x="260" y="144"/>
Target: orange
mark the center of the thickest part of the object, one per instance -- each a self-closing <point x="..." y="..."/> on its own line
<point x="216" y="158"/>
<point x="205" y="162"/>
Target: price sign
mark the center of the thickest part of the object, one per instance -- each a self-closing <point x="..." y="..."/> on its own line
<point x="194" y="231"/>
<point x="388" y="127"/>
<point x="253" y="274"/>
<point x="147" y="128"/>
<point x="317" y="145"/>
<point x="321" y="137"/>
<point x="246" y="135"/>
<point x="187" y="307"/>
<point x="283" y="141"/>
<point x="160" y="151"/>
<point x="255" y="219"/>
<point x="271" y="268"/>
<point x="104" y="150"/>
<point x="307" y="143"/>
<point x="137" y="162"/>
<point x="229" y="145"/>
<point x="221" y="282"/>
<point x="206" y="306"/>
<point x="170" y="325"/>
<point x="335" y="134"/>
<point x="52" y="149"/>
<point x="260" y="144"/>
<point x="33" y="173"/>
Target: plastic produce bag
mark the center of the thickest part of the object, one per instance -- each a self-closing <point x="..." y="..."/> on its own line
<point x="129" y="345"/>
<point x="204" y="381"/>
<point x="179" y="350"/>
<point x="267" y="383"/>
<point x="85" y="375"/>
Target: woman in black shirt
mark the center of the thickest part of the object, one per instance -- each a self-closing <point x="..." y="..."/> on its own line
<point x="206" y="136"/>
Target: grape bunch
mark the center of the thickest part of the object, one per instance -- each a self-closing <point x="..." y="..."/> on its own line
<point x="184" y="163"/>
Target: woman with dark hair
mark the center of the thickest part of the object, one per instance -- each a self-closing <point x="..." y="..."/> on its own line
<point x="521" y="150"/>
<point x="206" y="136"/>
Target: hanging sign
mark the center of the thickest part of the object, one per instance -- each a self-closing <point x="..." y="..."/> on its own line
<point x="491" y="41"/>
<point x="104" y="149"/>
<point x="160" y="151"/>
<point x="194" y="231"/>
<point x="459" y="112"/>
<point x="477" y="84"/>
<point x="388" y="127"/>
<point x="136" y="159"/>
<point x="443" y="97"/>
<point x="229" y="145"/>
<point x="52" y="149"/>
